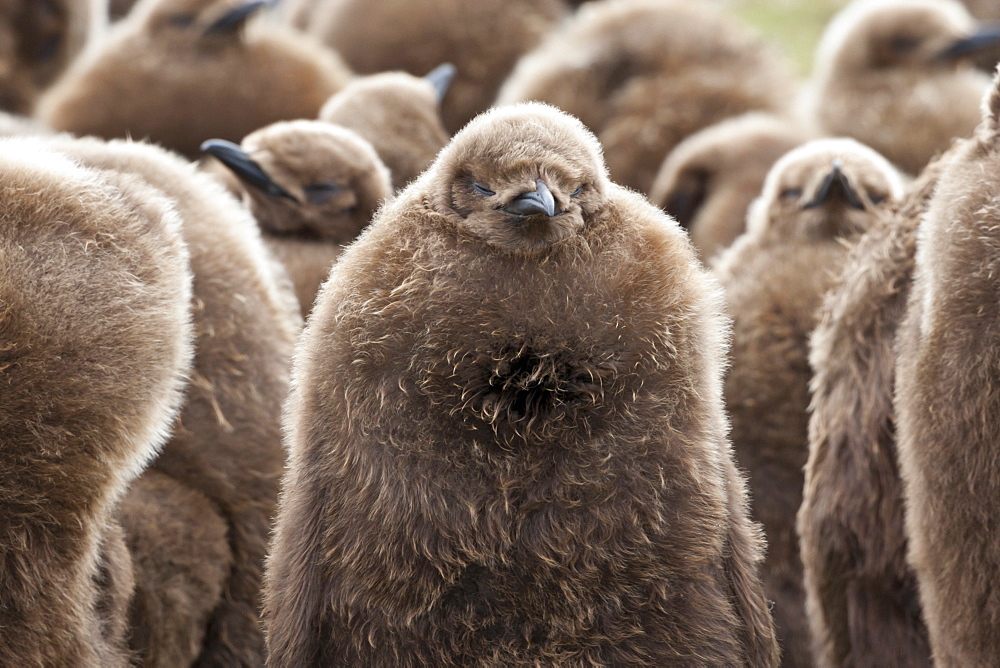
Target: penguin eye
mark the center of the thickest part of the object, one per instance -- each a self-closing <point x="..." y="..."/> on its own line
<point x="904" y="44"/>
<point x="181" y="20"/>
<point x="482" y="190"/>
<point x="321" y="193"/>
<point x="877" y="199"/>
<point x="579" y="190"/>
<point x="791" y="193"/>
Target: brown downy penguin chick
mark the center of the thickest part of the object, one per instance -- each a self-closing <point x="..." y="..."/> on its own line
<point x="815" y="198"/>
<point x="708" y="181"/>
<point x="896" y="75"/>
<point x="484" y="39"/>
<point x="399" y="114"/>
<point x="38" y="41"/>
<point x="507" y="441"/>
<point x="227" y="444"/>
<point x="312" y="188"/>
<point x="861" y="596"/>
<point x="645" y="74"/>
<point x="947" y="403"/>
<point x="95" y="341"/>
<point x="172" y="57"/>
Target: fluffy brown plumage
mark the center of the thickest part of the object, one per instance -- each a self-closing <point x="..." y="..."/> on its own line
<point x="861" y="596"/>
<point x="815" y="198"/>
<point x="227" y="443"/>
<point x="709" y="180"/>
<point x="483" y="38"/>
<point x="883" y="70"/>
<point x="645" y="74"/>
<point x="507" y="443"/>
<point x="170" y="57"/>
<point x="95" y="339"/>
<point x="399" y="114"/>
<point x="312" y="188"/>
<point x="947" y="402"/>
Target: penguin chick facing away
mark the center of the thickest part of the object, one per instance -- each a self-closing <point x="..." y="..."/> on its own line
<point x="484" y="39"/>
<point x="172" y="56"/>
<point x="946" y="399"/>
<point x="227" y="443"/>
<point x="897" y="76"/>
<point x="399" y="114"/>
<point x="814" y="199"/>
<point x="645" y="74"/>
<point x="861" y="595"/>
<point x="709" y="180"/>
<point x="507" y="442"/>
<point x="95" y="341"/>
<point x="312" y="188"/>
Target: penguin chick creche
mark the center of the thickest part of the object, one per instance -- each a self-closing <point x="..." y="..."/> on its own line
<point x="709" y="180"/>
<point x="507" y="443"/>
<point x="814" y="199"/>
<point x="645" y="74"/>
<point x="312" y="188"/>
<point x="946" y="399"/>
<point x="95" y="342"/>
<point x="170" y="56"/>
<point x="400" y="115"/>
<point x="885" y="68"/>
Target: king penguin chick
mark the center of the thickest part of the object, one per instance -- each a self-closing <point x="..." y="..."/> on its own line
<point x="399" y="114"/>
<point x="896" y="75"/>
<point x="170" y="57"/>
<point x="506" y="434"/>
<point x="709" y="180"/>
<point x="312" y="188"/>
<point x="861" y="596"/>
<point x="645" y="74"/>
<point x="95" y="342"/>
<point x="227" y="443"/>
<point x="947" y="402"/>
<point x="484" y="39"/>
<point x="815" y="198"/>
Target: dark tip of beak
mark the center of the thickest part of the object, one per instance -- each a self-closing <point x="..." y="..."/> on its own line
<point x="533" y="203"/>
<point x="441" y="78"/>
<point x="982" y="40"/>
<point x="244" y="167"/>
<point x="232" y="20"/>
<point x="835" y="183"/>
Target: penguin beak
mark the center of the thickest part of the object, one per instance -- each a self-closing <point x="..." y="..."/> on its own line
<point x="536" y="202"/>
<point x="986" y="38"/>
<point x="441" y="78"/>
<point x="244" y="167"/>
<point x="835" y="183"/>
<point x="232" y="20"/>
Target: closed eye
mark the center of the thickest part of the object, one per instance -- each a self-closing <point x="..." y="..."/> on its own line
<point x="482" y="190"/>
<point x="578" y="190"/>
<point x="791" y="193"/>
<point x="877" y="199"/>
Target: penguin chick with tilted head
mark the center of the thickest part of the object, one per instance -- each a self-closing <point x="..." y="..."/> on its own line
<point x="484" y="39"/>
<point x="38" y="41"/>
<point x="896" y="75"/>
<point x="227" y="443"/>
<point x="861" y="596"/>
<point x="645" y="74"/>
<point x="170" y="57"/>
<point x="709" y="180"/>
<point x="399" y="114"/>
<point x="95" y="342"/>
<point x="507" y="442"/>
<point x="815" y="199"/>
<point x="312" y="188"/>
<point x="946" y="401"/>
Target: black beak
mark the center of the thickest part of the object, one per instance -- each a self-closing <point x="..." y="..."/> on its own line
<point x="244" y="167"/>
<point x="441" y="78"/>
<point x="535" y="202"/>
<point x="232" y="20"/>
<point x="834" y="183"/>
<point x="986" y="38"/>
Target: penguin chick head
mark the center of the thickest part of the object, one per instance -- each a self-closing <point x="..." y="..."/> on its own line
<point x="823" y="190"/>
<point x="307" y="179"/>
<point x="520" y="178"/>
<point x="205" y="20"/>
<point x="872" y="37"/>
